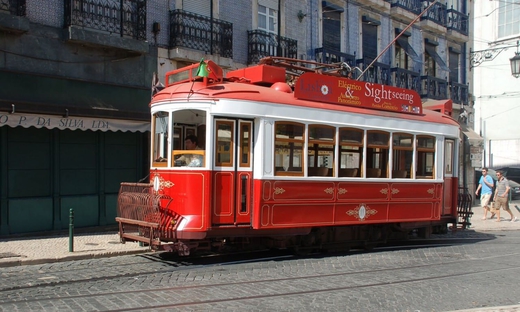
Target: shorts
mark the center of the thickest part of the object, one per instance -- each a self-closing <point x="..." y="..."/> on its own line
<point x="502" y="202"/>
<point x="484" y="200"/>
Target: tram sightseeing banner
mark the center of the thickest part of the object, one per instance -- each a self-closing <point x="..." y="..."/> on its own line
<point x="343" y="91"/>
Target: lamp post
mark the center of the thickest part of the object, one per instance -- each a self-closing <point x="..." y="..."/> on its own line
<point x="478" y="57"/>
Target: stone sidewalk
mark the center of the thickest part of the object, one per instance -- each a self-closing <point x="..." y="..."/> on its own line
<point x="46" y="249"/>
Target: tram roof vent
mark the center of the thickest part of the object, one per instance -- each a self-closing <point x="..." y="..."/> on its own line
<point x="259" y="74"/>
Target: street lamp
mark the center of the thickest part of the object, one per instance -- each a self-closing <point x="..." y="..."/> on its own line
<point x="478" y="57"/>
<point x="515" y="64"/>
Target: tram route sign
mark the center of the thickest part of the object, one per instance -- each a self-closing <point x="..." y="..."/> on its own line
<point x="343" y="91"/>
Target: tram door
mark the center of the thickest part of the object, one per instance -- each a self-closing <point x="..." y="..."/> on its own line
<point x="233" y="173"/>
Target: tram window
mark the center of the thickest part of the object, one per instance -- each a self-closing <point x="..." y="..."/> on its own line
<point x="321" y="150"/>
<point x="425" y="157"/>
<point x="177" y="138"/>
<point x="448" y="158"/>
<point x="289" y="142"/>
<point x="160" y="139"/>
<point x="351" y="152"/>
<point x="402" y="155"/>
<point x="377" y="154"/>
<point x="224" y="145"/>
<point x="245" y="144"/>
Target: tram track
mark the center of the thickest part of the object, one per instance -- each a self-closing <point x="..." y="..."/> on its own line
<point x="209" y="261"/>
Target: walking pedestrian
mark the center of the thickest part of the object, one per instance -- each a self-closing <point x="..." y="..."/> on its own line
<point x="485" y="186"/>
<point x="502" y="196"/>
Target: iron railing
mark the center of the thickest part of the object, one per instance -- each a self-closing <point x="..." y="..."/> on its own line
<point x="414" y="6"/>
<point x="201" y="33"/>
<point x="14" y="7"/>
<point x="434" y="88"/>
<point x="261" y="44"/>
<point x="437" y="13"/>
<point x="459" y="93"/>
<point x="458" y="21"/>
<point x="407" y="79"/>
<point x="377" y="73"/>
<point x="127" y="18"/>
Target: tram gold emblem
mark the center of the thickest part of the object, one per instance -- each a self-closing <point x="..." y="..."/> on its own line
<point x="430" y="191"/>
<point x="362" y="212"/>
<point x="329" y="190"/>
<point x="160" y="183"/>
<point x="395" y="191"/>
<point x="342" y="191"/>
<point x="278" y="190"/>
<point x="384" y="191"/>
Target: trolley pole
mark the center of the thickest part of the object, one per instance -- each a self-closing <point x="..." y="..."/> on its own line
<point x="71" y="230"/>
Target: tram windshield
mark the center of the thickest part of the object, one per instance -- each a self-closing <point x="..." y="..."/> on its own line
<point x="181" y="132"/>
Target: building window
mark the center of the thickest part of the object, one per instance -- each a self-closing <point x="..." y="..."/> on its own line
<point x="267" y="19"/>
<point x="508" y="18"/>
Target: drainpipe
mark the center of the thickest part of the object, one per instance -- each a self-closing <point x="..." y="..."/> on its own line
<point x="278" y="47"/>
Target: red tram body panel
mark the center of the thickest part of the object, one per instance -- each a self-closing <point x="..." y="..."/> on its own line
<point x="353" y="161"/>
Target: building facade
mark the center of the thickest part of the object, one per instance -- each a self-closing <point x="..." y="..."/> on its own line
<point x="77" y="75"/>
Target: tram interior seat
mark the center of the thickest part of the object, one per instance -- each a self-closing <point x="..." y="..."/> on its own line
<point x="373" y="172"/>
<point x="399" y="173"/>
<point x="318" y="171"/>
<point x="348" y="172"/>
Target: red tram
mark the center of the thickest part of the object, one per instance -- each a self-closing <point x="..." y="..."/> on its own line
<point x="290" y="156"/>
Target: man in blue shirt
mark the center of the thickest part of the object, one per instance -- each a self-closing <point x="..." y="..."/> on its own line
<point x="486" y="185"/>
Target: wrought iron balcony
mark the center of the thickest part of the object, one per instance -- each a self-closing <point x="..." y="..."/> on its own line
<point x="126" y="18"/>
<point x="458" y="21"/>
<point x="437" y="13"/>
<point x="14" y="7"/>
<point x="413" y="6"/>
<point x="202" y="33"/>
<point x="261" y="44"/>
<point x="377" y="73"/>
<point x="434" y="88"/>
<point x="407" y="79"/>
<point x="459" y="93"/>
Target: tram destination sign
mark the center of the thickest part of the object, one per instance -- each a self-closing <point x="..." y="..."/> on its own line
<point x="343" y="91"/>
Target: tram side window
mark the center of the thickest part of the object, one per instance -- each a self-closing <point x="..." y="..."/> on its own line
<point x="350" y="152"/>
<point x="288" y="152"/>
<point x="448" y="158"/>
<point x="160" y="139"/>
<point x="224" y="135"/>
<point x="321" y="150"/>
<point x="425" y="157"/>
<point x="377" y="154"/>
<point x="402" y="155"/>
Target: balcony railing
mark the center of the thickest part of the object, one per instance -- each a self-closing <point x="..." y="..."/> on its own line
<point x="459" y="93"/>
<point x="14" y="7"/>
<point x="377" y="73"/>
<point x="261" y="44"/>
<point x="407" y="79"/>
<point x="434" y="88"/>
<point x="127" y="18"/>
<point x="458" y="21"/>
<point x="202" y="33"/>
<point x="437" y="13"/>
<point x="413" y="6"/>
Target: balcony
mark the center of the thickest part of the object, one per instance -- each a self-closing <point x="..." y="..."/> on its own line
<point x="377" y="73"/>
<point x="406" y="9"/>
<point x="261" y="44"/>
<point x="406" y="79"/>
<point x="202" y="33"/>
<point x="459" y="93"/>
<point x="458" y="25"/>
<point x="12" y="16"/>
<point x="13" y="7"/>
<point x="434" y="88"/>
<point x="123" y="18"/>
<point x="435" y="19"/>
<point x="328" y="56"/>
